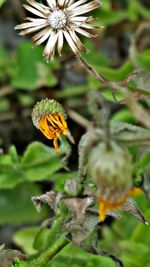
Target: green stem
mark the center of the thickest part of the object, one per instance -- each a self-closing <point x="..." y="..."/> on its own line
<point x="54" y="233"/>
<point x="48" y="254"/>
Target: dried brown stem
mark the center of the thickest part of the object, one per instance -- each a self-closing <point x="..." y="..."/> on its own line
<point x="6" y="90"/>
<point x="138" y="111"/>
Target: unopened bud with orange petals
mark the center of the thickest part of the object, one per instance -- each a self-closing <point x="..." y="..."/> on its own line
<point x="111" y="170"/>
<point x="50" y="118"/>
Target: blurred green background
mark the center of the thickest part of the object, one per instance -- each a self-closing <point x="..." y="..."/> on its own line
<point x="28" y="163"/>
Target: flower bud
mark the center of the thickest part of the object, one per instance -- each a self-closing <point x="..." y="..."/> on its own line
<point x="111" y="170"/>
<point x="72" y="187"/>
<point x="49" y="116"/>
<point x="46" y="106"/>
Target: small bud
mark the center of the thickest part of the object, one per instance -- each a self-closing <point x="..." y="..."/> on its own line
<point x="49" y="116"/>
<point x="46" y="106"/>
<point x="72" y="187"/>
<point x="111" y="170"/>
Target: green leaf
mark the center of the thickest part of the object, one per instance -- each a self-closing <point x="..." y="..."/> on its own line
<point x="109" y="95"/>
<point x="39" y="162"/>
<point x="95" y="57"/>
<point x="60" y="177"/>
<point x="141" y="233"/>
<point x="116" y="74"/>
<point x="10" y="171"/>
<point x="14" y="155"/>
<point x="133" y="10"/>
<point x="31" y="70"/>
<point x="123" y="115"/>
<point x="134" y="253"/>
<point x="2" y="2"/>
<point x="72" y="91"/>
<point x="111" y="17"/>
<point x="24" y="238"/>
<point x="19" y="263"/>
<point x="127" y="222"/>
<point x="76" y="257"/>
<point x="26" y="100"/>
<point x="16" y="206"/>
<point x="144" y="12"/>
<point x="10" y="176"/>
<point x="143" y="59"/>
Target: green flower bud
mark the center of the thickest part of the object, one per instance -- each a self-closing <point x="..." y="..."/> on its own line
<point x="49" y="117"/>
<point x="46" y="106"/>
<point x="111" y="171"/>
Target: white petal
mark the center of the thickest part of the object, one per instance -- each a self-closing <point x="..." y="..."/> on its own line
<point x="51" y="3"/>
<point x="44" y="9"/>
<point x="69" y="2"/>
<point x="60" y="42"/>
<point x="31" y="24"/>
<point x="43" y="38"/>
<point x="34" y="11"/>
<point x="30" y="30"/>
<point x="50" y="46"/>
<point x="71" y="43"/>
<point x="84" y="25"/>
<point x="78" y="42"/>
<point x="83" y="32"/>
<point x="82" y="19"/>
<point x="85" y="8"/>
<point x="39" y="34"/>
<point x="77" y="3"/>
<point x="35" y="19"/>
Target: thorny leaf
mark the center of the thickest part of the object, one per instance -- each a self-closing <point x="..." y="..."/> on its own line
<point x="130" y="134"/>
<point x="83" y="220"/>
<point x="49" y="198"/>
<point x="131" y="207"/>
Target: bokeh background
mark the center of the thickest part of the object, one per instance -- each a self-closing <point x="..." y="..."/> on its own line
<point x="28" y="163"/>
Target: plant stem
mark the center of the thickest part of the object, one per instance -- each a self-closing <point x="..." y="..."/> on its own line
<point x="138" y="111"/>
<point x="49" y="253"/>
<point x="54" y="232"/>
<point x="79" y="119"/>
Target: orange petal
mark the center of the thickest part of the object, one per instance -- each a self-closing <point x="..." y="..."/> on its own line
<point x="55" y="142"/>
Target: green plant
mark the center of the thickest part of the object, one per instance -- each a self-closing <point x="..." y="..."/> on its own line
<point x="84" y="191"/>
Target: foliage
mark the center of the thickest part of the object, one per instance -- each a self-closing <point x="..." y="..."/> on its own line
<point x="29" y="167"/>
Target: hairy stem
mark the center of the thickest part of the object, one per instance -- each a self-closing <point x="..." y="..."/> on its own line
<point x="138" y="111"/>
<point x="49" y="253"/>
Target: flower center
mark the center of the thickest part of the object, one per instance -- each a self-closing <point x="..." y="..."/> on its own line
<point x="57" y="19"/>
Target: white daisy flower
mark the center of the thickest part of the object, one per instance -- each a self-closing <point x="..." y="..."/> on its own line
<point x="61" y="19"/>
